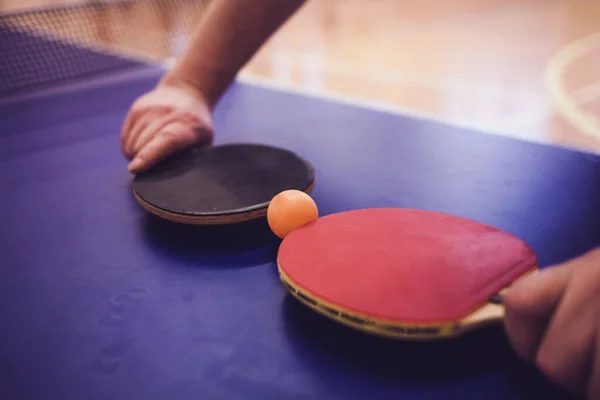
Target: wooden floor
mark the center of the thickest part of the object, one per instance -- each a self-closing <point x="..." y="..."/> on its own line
<point x="526" y="68"/>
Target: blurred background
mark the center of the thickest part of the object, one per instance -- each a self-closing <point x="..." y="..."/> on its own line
<point x="523" y="68"/>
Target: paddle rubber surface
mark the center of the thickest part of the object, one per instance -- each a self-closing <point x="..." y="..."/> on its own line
<point x="223" y="180"/>
<point x="402" y="264"/>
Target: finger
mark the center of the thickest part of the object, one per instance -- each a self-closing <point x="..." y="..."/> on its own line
<point x="171" y="139"/>
<point x="130" y="118"/>
<point x="593" y="390"/>
<point x="530" y="304"/>
<point x="150" y="130"/>
<point x="202" y="131"/>
<point x="565" y="353"/>
<point x="126" y="129"/>
<point x="148" y="118"/>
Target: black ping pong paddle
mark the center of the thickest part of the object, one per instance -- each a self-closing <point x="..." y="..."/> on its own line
<point x="222" y="184"/>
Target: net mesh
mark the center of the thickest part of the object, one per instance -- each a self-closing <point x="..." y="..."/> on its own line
<point x="47" y="46"/>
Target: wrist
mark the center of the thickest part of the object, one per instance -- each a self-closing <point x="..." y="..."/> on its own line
<point x="206" y="83"/>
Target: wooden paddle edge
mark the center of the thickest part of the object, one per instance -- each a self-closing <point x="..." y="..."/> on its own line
<point x="490" y="313"/>
<point x="221" y="219"/>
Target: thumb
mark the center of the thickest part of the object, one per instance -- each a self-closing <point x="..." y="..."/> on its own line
<point x="530" y="304"/>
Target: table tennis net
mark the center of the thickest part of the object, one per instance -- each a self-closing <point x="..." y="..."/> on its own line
<point x="53" y="45"/>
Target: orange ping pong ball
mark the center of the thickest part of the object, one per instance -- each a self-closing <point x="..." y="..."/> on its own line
<point x="289" y="210"/>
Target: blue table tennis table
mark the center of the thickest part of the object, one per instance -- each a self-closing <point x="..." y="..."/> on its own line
<point x="99" y="300"/>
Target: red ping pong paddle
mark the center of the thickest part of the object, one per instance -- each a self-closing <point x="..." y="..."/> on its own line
<point x="403" y="273"/>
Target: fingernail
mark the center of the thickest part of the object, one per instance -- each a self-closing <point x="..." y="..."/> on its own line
<point x="136" y="164"/>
